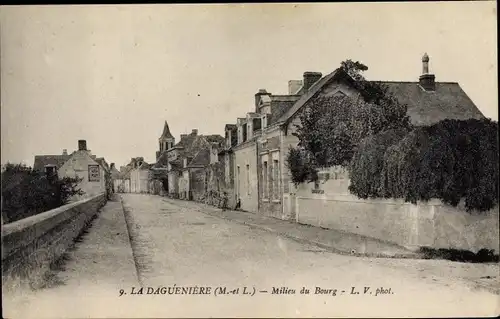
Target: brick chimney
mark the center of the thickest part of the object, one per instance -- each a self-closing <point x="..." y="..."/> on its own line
<point x="183" y="136"/>
<point x="65" y="152"/>
<point x="194" y="131"/>
<point x="112" y="165"/>
<point x="427" y="81"/>
<point x="294" y="86"/>
<point x="309" y="79"/>
<point x="82" y="145"/>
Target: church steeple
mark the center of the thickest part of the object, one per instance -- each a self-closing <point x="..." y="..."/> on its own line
<point x="166" y="140"/>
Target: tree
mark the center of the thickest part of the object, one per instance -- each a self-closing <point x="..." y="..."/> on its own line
<point x="26" y="192"/>
<point x="331" y="127"/>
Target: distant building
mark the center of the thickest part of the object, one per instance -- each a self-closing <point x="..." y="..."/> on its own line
<point x="80" y="163"/>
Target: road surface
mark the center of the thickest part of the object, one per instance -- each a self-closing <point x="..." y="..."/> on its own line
<point x="174" y="244"/>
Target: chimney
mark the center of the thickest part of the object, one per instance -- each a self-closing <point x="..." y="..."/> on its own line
<point x="294" y="86"/>
<point x="112" y="165"/>
<point x="82" y="145"/>
<point x="426" y="80"/>
<point x="183" y="136"/>
<point x="65" y="152"/>
<point x="309" y="79"/>
<point x="194" y="131"/>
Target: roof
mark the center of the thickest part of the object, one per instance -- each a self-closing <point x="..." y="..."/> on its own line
<point x="43" y="160"/>
<point x="447" y="101"/>
<point x="315" y="88"/>
<point x="115" y="173"/>
<point x="102" y="162"/>
<point x="201" y="159"/>
<point x="214" y="138"/>
<point x="166" y="132"/>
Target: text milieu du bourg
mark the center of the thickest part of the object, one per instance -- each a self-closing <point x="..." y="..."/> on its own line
<point x="251" y="291"/>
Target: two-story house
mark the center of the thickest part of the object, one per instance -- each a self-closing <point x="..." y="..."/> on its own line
<point x="262" y="180"/>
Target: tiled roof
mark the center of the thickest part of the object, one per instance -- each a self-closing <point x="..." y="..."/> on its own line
<point x="214" y="138"/>
<point x="448" y="101"/>
<point x="166" y="132"/>
<point x="201" y="159"/>
<point x="278" y="108"/>
<point x="315" y="88"/>
<point x="42" y="160"/>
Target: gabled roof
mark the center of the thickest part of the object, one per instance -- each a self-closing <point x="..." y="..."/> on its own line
<point x="201" y="159"/>
<point x="315" y="88"/>
<point x="447" y="101"/>
<point x="55" y="160"/>
<point x="103" y="163"/>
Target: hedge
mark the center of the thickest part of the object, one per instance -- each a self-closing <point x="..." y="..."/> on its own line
<point x="452" y="160"/>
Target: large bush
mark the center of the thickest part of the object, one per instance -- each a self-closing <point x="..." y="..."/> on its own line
<point x="367" y="163"/>
<point x="452" y="160"/>
<point x="26" y="192"/>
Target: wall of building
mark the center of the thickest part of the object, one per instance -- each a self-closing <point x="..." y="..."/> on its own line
<point x="139" y="179"/>
<point x="329" y="204"/>
<point x="197" y="184"/>
<point x="246" y="180"/>
<point x="78" y="166"/>
<point x="173" y="184"/>
<point x="31" y="244"/>
<point x="270" y="175"/>
<point x="184" y="185"/>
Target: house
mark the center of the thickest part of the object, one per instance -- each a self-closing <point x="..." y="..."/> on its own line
<point x="134" y="177"/>
<point x="180" y="167"/>
<point x="81" y="164"/>
<point x="262" y="180"/>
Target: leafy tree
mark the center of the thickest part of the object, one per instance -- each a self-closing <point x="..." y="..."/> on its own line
<point x="26" y="192"/>
<point x="331" y="127"/>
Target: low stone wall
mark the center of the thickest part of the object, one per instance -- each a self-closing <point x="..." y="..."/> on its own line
<point x="329" y="204"/>
<point x="30" y="245"/>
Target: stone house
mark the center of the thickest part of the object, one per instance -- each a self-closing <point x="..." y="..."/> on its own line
<point x="177" y="164"/>
<point x="262" y="180"/>
<point x="133" y="177"/>
<point x="82" y="164"/>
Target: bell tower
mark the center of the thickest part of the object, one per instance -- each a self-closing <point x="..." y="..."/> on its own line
<point x="166" y="140"/>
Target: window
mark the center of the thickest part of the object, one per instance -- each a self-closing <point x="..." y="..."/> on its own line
<point x="248" y="179"/>
<point x="264" y="181"/>
<point x="275" y="179"/>
<point x="244" y="127"/>
<point x="257" y="124"/>
<point x="49" y="170"/>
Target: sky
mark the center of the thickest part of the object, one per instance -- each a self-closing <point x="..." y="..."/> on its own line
<point x="113" y="74"/>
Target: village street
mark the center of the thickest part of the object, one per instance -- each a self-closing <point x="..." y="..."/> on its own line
<point x="172" y="242"/>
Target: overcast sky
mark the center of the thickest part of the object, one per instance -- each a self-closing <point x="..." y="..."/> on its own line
<point x="113" y="74"/>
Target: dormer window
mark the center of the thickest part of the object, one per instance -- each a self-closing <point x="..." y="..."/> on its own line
<point x="50" y="170"/>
